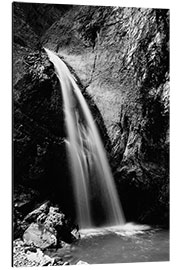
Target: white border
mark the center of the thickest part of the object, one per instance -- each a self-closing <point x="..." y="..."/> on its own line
<point x="5" y="139"/>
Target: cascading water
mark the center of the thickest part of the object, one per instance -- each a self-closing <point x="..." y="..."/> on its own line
<point x="92" y="178"/>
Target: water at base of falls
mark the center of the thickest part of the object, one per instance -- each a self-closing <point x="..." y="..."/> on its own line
<point x="118" y="244"/>
<point x="95" y="193"/>
<point x="124" y="230"/>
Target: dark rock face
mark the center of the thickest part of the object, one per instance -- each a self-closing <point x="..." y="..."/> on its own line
<point x="23" y="33"/>
<point x="141" y="144"/>
<point x="40" y="163"/>
<point x="40" y="16"/>
<point x="38" y="125"/>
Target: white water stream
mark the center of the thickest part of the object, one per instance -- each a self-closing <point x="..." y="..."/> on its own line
<point x="92" y="179"/>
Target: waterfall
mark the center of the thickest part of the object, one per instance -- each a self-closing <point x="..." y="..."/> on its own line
<point x="93" y="183"/>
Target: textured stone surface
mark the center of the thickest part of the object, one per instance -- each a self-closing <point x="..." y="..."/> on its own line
<point x="38" y="236"/>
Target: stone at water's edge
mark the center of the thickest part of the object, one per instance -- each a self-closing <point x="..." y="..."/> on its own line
<point x="49" y="227"/>
<point x="42" y="239"/>
<point x="27" y="255"/>
<point x="39" y="258"/>
<point x="81" y="262"/>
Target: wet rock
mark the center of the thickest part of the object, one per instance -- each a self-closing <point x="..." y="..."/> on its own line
<point x="49" y="228"/>
<point x="42" y="210"/>
<point x="54" y="219"/>
<point x="76" y="234"/>
<point x="40" y="258"/>
<point x="59" y="225"/>
<point x="81" y="262"/>
<point x="57" y="261"/>
<point x="23" y="199"/>
<point x="66" y="263"/>
<point x="30" y="248"/>
<point x="28" y="255"/>
<point x="19" y="255"/>
<point x="38" y="236"/>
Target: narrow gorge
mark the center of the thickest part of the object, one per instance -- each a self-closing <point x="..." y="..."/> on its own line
<point x="90" y="134"/>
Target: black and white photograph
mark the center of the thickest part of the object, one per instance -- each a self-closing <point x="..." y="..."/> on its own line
<point x="90" y="134"/>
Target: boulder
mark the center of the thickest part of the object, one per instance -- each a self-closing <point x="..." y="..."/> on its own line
<point x="57" y="223"/>
<point x="38" y="236"/>
<point x="49" y="227"/>
<point x="24" y="199"/>
<point x="41" y="210"/>
<point x="40" y="258"/>
<point x="81" y="262"/>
